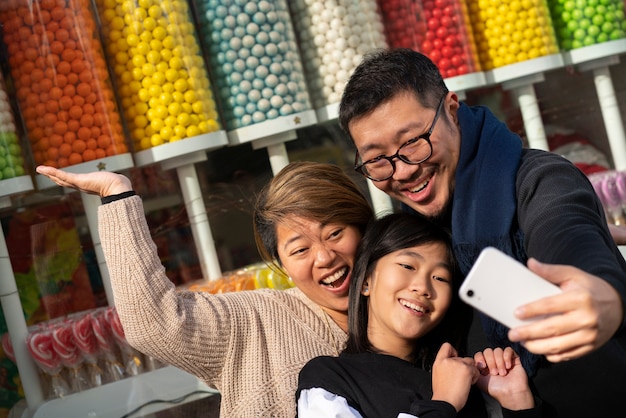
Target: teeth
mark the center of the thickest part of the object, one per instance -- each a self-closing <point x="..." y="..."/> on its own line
<point x="422" y="187"/>
<point x="335" y="277"/>
<point x="413" y="306"/>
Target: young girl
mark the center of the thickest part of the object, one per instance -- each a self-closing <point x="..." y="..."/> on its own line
<point x="249" y="345"/>
<point x="407" y="328"/>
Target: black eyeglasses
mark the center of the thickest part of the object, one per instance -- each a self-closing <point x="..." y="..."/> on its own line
<point x="414" y="151"/>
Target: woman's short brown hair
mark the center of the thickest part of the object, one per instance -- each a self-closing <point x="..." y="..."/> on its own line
<point x="315" y="191"/>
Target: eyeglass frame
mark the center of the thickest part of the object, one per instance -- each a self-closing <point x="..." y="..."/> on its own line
<point x="425" y="136"/>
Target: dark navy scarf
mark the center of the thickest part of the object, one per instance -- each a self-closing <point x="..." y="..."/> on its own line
<point x="484" y="206"/>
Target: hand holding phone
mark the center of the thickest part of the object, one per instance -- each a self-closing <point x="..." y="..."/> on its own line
<point x="497" y="284"/>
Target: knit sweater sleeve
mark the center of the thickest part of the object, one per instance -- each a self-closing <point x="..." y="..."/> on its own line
<point x="157" y="319"/>
<point x="563" y="221"/>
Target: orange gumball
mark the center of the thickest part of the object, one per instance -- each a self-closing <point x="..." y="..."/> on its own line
<point x="89" y="155"/>
<point x="65" y="150"/>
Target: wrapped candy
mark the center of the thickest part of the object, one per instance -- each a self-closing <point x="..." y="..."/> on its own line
<point x="64" y="345"/>
<point x="85" y="340"/>
<point x="113" y="369"/>
<point x="40" y="346"/>
<point x="7" y="346"/>
<point x="131" y="358"/>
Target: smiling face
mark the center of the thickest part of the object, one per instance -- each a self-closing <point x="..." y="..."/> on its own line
<point x="319" y="259"/>
<point x="408" y="293"/>
<point x="426" y="187"/>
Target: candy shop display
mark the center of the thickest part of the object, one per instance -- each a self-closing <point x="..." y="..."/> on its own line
<point x="333" y="36"/>
<point x="255" y="59"/>
<point x="82" y="351"/>
<point x="438" y="28"/>
<point x="511" y="31"/>
<point x="12" y="162"/>
<point x="256" y="276"/>
<point x="580" y="23"/>
<point x="610" y="186"/>
<point x="162" y="81"/>
<point x="61" y="81"/>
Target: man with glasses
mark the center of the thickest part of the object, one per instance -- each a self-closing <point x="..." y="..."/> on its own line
<point x="464" y="168"/>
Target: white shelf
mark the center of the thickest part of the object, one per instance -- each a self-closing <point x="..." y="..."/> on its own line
<point x="271" y="128"/>
<point x="594" y="52"/>
<point x="182" y="148"/>
<point x="525" y="68"/>
<point x="16" y="185"/>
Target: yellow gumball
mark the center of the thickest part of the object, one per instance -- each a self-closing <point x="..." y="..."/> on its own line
<point x="192" y="130"/>
<point x="156" y="140"/>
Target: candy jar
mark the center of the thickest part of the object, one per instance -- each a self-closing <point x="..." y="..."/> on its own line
<point x="254" y="57"/>
<point x="333" y="36"/>
<point x="12" y="164"/>
<point x="161" y="77"/>
<point x="61" y="81"/>
<point x="511" y="31"/>
<point x="438" y="28"/>
<point x="580" y="23"/>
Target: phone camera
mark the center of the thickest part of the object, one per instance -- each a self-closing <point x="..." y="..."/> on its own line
<point x="470" y="293"/>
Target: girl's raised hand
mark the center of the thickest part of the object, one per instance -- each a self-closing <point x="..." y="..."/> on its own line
<point x="453" y="377"/>
<point x="503" y="378"/>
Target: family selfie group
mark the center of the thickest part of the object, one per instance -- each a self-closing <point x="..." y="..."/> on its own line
<point x="375" y="326"/>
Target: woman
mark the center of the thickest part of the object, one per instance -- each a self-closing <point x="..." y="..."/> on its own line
<point x="249" y="345"/>
<point x="407" y="329"/>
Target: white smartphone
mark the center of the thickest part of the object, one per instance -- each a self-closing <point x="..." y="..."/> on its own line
<point x="497" y="284"/>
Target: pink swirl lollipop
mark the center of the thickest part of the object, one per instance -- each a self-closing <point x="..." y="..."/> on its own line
<point x="102" y="331"/>
<point x="40" y="347"/>
<point x="620" y="185"/>
<point x="84" y="336"/>
<point x="116" y="326"/>
<point x="7" y="346"/>
<point x="63" y="344"/>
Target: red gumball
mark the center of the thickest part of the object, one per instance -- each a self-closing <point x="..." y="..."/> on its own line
<point x="451" y="72"/>
<point x="447" y="52"/>
<point x="457" y="61"/>
<point x="451" y="40"/>
<point x="438" y="43"/>
<point x="444" y="64"/>
<point x="441" y="32"/>
<point x="426" y="47"/>
<point x="441" y="4"/>
<point x="462" y="69"/>
<point x="433" y="24"/>
<point x="435" y="55"/>
<point x="446" y="21"/>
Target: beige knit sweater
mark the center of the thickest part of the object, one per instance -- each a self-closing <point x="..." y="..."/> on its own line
<point x="248" y="345"/>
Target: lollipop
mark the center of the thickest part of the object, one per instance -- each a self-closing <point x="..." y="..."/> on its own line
<point x="85" y="340"/>
<point x="614" y="201"/>
<point x="102" y="332"/>
<point x="131" y="357"/>
<point x="39" y="345"/>
<point x="65" y="347"/>
<point x="7" y="346"/>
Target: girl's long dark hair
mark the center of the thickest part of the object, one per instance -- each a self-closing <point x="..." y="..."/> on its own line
<point x="392" y="233"/>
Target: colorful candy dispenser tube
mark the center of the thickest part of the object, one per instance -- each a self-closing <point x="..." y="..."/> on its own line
<point x="255" y="59"/>
<point x="61" y="81"/>
<point x="580" y="23"/>
<point x="12" y="162"/>
<point x="158" y="68"/>
<point x="333" y="36"/>
<point x="511" y="31"/>
<point x="439" y="29"/>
